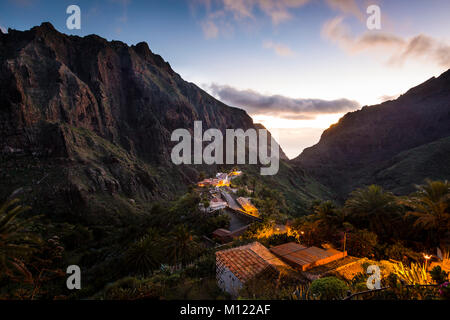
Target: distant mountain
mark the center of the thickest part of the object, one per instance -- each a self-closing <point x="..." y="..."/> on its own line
<point x="395" y="144"/>
<point x="85" y="125"/>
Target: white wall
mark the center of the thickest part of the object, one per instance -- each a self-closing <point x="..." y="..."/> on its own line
<point x="227" y="281"/>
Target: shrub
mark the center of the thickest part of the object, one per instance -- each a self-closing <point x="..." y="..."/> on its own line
<point x="438" y="275"/>
<point x="129" y="288"/>
<point x="329" y="288"/>
<point x="361" y="243"/>
<point x="399" y="252"/>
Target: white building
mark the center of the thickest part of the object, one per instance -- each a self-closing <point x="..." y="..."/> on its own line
<point x="217" y="204"/>
<point x="236" y="266"/>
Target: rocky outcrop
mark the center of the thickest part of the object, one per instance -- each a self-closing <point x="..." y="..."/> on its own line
<point x="127" y="95"/>
<point x="352" y="152"/>
<point x="95" y="118"/>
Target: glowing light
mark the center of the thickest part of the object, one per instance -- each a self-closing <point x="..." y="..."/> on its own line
<point x="223" y="183"/>
<point x="320" y="121"/>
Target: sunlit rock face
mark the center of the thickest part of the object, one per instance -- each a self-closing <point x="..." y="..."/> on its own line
<point x="377" y="144"/>
<point x="86" y="124"/>
<point x="127" y="95"/>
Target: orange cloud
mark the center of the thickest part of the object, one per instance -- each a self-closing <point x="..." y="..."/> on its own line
<point x="277" y="10"/>
<point x="347" y="7"/>
<point x="279" y="48"/>
<point x="399" y="50"/>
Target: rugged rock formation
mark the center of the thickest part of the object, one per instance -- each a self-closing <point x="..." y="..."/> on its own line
<point x="366" y="146"/>
<point x="85" y="124"/>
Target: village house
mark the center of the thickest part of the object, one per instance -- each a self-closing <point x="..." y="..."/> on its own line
<point x="221" y="180"/>
<point x="235" y="174"/>
<point x="236" y="266"/>
<point x="205" y="183"/>
<point x="217" y="204"/>
<point x="221" y="176"/>
<point x="224" y="236"/>
<point x="304" y="258"/>
<point x="247" y="206"/>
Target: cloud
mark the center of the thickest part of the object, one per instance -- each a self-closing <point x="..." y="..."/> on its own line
<point x="346" y="7"/>
<point x="279" y="48"/>
<point x="277" y="10"/>
<point x="221" y="13"/>
<point x="210" y="29"/>
<point x="399" y="50"/>
<point x="276" y="105"/>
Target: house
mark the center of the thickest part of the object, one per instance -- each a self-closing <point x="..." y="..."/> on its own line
<point x="222" y="180"/>
<point x="247" y="206"/>
<point x="302" y="258"/>
<point x="217" y="204"/>
<point x="236" y="266"/>
<point x="222" y="235"/>
<point x="205" y="183"/>
<point x="235" y="174"/>
<point x="225" y="236"/>
<point x="346" y="268"/>
<point x="221" y="176"/>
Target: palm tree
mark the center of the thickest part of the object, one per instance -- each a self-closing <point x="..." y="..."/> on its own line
<point x="16" y="241"/>
<point x="183" y="245"/>
<point x="324" y="216"/>
<point x="145" y="254"/>
<point x="431" y="205"/>
<point x="373" y="207"/>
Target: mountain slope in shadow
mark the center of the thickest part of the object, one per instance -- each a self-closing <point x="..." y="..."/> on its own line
<point x="377" y="144"/>
<point x="85" y="126"/>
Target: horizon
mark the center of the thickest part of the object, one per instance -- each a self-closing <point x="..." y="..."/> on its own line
<point x="305" y="47"/>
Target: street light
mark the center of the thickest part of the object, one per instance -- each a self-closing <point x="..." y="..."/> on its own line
<point x="427" y="257"/>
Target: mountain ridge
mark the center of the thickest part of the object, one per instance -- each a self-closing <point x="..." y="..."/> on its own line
<point x="350" y="152"/>
<point x="87" y="122"/>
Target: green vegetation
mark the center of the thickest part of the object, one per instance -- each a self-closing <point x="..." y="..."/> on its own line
<point x="162" y="253"/>
<point x="16" y="240"/>
<point x="329" y="288"/>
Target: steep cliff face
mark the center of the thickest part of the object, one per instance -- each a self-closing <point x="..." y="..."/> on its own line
<point x="367" y="142"/>
<point x="127" y="95"/>
<point x="85" y="124"/>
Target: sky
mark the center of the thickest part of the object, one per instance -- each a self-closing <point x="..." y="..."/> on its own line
<point x="296" y="66"/>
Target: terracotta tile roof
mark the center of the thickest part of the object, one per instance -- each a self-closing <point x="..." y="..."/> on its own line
<point x="221" y="233"/>
<point x="247" y="261"/>
<point x="304" y="258"/>
<point x="217" y="200"/>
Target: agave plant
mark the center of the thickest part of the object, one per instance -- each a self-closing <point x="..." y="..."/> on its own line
<point x="415" y="274"/>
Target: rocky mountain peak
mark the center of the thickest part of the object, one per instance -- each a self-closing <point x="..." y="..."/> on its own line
<point x="354" y="149"/>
